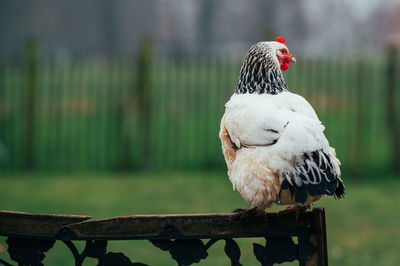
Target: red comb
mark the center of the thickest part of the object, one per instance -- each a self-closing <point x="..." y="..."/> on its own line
<point x="281" y="40"/>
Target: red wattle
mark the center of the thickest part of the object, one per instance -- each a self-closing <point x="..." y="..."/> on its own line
<point x="285" y="65"/>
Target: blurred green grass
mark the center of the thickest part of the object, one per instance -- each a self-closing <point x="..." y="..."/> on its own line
<point x="363" y="229"/>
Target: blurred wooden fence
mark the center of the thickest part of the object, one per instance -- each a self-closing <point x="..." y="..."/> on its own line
<point x="157" y="113"/>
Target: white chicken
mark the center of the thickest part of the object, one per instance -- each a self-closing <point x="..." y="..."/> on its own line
<point x="272" y="139"/>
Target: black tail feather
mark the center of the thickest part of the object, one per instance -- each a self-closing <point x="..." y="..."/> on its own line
<point x="314" y="164"/>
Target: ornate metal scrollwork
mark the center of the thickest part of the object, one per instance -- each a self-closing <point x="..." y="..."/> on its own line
<point x="117" y="259"/>
<point x="232" y="250"/>
<point x="189" y="251"/>
<point x="26" y="251"/>
<point x="183" y="251"/>
<point x="283" y="249"/>
<point x="98" y="250"/>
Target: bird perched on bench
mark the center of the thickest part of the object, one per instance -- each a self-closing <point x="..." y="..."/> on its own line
<point x="272" y="139"/>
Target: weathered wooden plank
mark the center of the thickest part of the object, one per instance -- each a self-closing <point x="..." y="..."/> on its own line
<point x="309" y="227"/>
<point x="35" y="225"/>
<point x="213" y="225"/>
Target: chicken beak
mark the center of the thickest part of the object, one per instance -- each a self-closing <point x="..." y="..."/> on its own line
<point x="292" y="59"/>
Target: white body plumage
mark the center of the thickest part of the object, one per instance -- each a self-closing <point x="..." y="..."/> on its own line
<point x="271" y="133"/>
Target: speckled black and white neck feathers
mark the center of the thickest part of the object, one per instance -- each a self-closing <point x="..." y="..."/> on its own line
<point x="260" y="72"/>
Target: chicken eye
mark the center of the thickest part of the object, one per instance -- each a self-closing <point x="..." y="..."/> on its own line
<point x="283" y="51"/>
